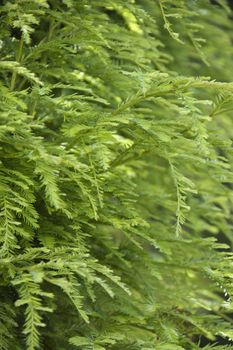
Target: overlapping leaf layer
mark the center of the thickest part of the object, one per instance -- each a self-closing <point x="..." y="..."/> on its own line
<point x="116" y="175"/>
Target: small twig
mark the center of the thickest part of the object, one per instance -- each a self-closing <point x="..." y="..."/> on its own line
<point x="18" y="59"/>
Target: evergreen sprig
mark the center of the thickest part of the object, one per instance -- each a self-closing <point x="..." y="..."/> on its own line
<point x="116" y="175"/>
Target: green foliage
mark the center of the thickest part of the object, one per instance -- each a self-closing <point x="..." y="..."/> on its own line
<point x="116" y="175"/>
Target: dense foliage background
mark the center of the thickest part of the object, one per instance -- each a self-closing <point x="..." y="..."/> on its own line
<point x="116" y="174"/>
